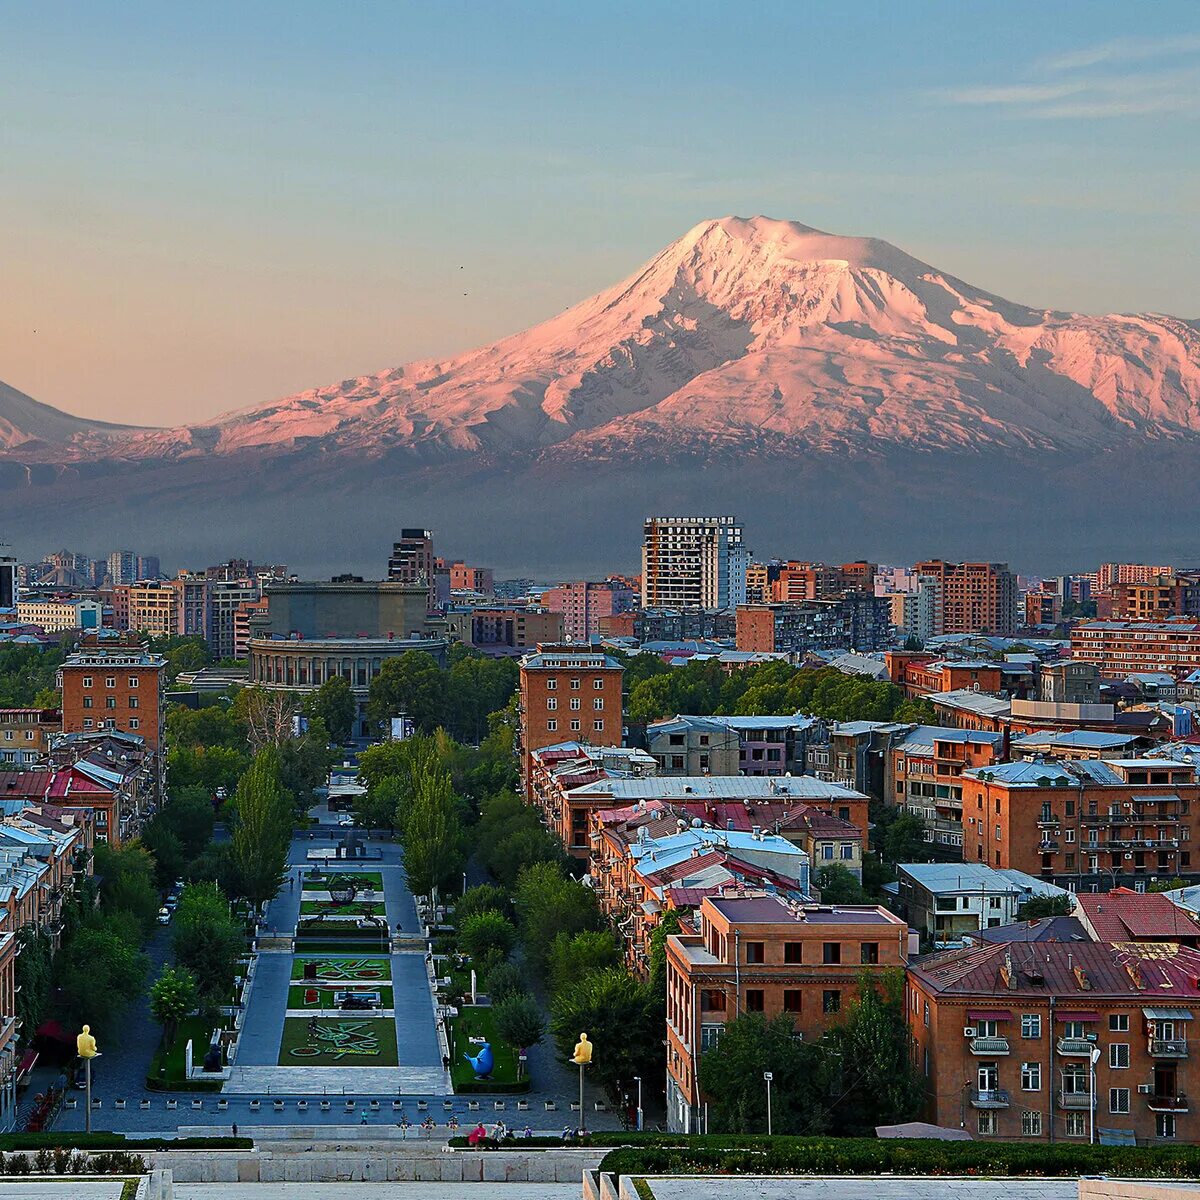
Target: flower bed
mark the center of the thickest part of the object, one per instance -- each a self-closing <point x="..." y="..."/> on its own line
<point x="346" y="968"/>
<point x="338" y="1042"/>
<point x="314" y="995"/>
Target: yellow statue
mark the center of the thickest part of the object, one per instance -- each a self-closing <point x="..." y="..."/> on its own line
<point x="583" y="1051"/>
<point x="85" y="1044"/>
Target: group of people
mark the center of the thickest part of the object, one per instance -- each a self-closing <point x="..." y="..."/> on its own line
<point x="500" y="1133"/>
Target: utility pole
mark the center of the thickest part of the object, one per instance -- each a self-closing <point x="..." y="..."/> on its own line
<point x="768" y="1076"/>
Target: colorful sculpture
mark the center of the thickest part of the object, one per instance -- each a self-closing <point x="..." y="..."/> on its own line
<point x="483" y="1062"/>
<point x="85" y="1044"/>
<point x="583" y="1051"/>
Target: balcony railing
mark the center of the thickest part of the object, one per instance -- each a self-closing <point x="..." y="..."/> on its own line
<point x="1072" y="1047"/>
<point x="1168" y="1048"/>
<point x="989" y="1045"/>
<point x="1074" y="1101"/>
<point x="1177" y="1103"/>
<point x="989" y="1098"/>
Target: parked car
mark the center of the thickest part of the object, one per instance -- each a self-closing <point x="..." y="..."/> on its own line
<point x="164" y="916"/>
<point x="346" y="821"/>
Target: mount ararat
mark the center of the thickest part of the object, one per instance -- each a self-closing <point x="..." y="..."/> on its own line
<point x="842" y="397"/>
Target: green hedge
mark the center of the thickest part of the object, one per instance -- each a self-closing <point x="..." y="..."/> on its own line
<point x="487" y="1087"/>
<point x="116" y="1141"/>
<point x="872" y="1156"/>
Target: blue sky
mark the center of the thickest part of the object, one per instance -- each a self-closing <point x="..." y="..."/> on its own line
<point x="208" y="206"/>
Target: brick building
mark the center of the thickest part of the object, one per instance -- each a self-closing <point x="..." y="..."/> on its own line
<point x="852" y="621"/>
<point x="762" y="954"/>
<point x="1119" y="648"/>
<point x="976" y="597"/>
<point x="584" y="605"/>
<point x="114" y="687"/>
<point x="1005" y="1035"/>
<point x="25" y="734"/>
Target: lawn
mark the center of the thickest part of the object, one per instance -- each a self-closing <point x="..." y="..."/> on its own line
<point x="346" y="969"/>
<point x="479" y="1022"/>
<point x="356" y="879"/>
<point x="353" y="908"/>
<point x="167" y="1068"/>
<point x="338" y="1042"/>
<point x="299" y="995"/>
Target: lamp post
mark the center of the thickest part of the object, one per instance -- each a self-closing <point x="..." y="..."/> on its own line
<point x="85" y="1045"/>
<point x="768" y="1076"/>
<point x="582" y="1058"/>
<point x="1095" y="1058"/>
<point x="638" y="1081"/>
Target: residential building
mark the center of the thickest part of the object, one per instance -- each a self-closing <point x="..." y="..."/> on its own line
<point x="25" y="734"/>
<point x="1118" y="648"/>
<point x="687" y="745"/>
<point x="8" y="579"/>
<point x="1074" y="743"/>
<point x="568" y="694"/>
<point x="1043" y="605"/>
<point x="113" y="687"/>
<point x="853" y="621"/>
<point x="945" y="902"/>
<point x="122" y="567"/>
<point x="465" y="578"/>
<point x="1084" y="823"/>
<point x="59" y="616"/>
<point x="227" y="596"/>
<point x="764" y="954"/>
<point x="1004" y="1035"/>
<point x="411" y="562"/>
<point x="583" y="604"/>
<point x="1111" y="573"/>
<point x="976" y="597"/>
<point x="498" y="628"/>
<point x="1123" y="915"/>
<point x="243" y="616"/>
<point x="153" y="607"/>
<point x="1069" y="681"/>
<point x="194" y="607"/>
<point x="693" y="562"/>
<point x="148" y="566"/>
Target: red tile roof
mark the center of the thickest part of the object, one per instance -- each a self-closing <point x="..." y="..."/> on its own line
<point x="1125" y="916"/>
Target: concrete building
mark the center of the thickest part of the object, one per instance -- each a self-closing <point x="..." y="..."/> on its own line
<point x="25" y="734"/>
<point x="227" y="596"/>
<point x="853" y="621"/>
<point x="498" y="628"/>
<point x="1069" y="681"/>
<point x="1118" y="648"/>
<point x="345" y="610"/>
<point x="153" y="607"/>
<point x="763" y="954"/>
<point x="975" y="597"/>
<point x="693" y="562"/>
<point x="767" y="745"/>
<point x="122" y="567"/>
<point x="60" y="616"/>
<point x="411" y="562"/>
<point x="193" y="607"/>
<point x="8" y="579"/>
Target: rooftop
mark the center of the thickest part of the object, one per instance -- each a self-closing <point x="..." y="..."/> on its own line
<point x="946" y="878"/>
<point x="774" y="910"/>
<point x="1125" y="916"/>
<point x="718" y="787"/>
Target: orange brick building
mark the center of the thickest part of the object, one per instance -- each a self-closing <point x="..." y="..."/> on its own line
<point x="1084" y="824"/>
<point x="762" y="954"/>
<point x="568" y="694"/>
<point x="1119" y="648"/>
<point x="977" y="597"/>
<point x="114" y="687"/>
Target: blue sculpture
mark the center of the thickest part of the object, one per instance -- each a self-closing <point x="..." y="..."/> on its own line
<point x="482" y="1062"/>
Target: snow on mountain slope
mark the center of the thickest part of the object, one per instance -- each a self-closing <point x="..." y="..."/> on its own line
<point x="26" y="422"/>
<point x="750" y="333"/>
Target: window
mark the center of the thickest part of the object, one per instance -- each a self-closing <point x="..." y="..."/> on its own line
<point x="832" y="952"/>
<point x="754" y="1000"/>
<point x="869" y="953"/>
<point x="987" y="1122"/>
<point x="1031" y="1077"/>
<point x="1074" y="1029"/>
<point x="1118" y="1055"/>
<point x="110" y="702"/>
<point x="846" y="851"/>
<point x="598" y="726"/>
<point x="1164" y="1125"/>
<point x="551" y="685"/>
<point x="110" y="681"/>
<point x="574" y="726"/>
<point x="831" y="1002"/>
<point x="1031" y="1124"/>
<point x="133" y="681"/>
<point x="827" y="852"/>
<point x="87" y="681"/>
<point x="598" y="704"/>
<point x="575" y="704"/>
<point x="1076" y="1125"/>
<point x="133" y="702"/>
<point x="676" y="762"/>
<point x="598" y="685"/>
<point x="575" y="685"/>
<point x="791" y="952"/>
<point x="87" y="702"/>
<point x="712" y="1000"/>
<point x="1118" y="1022"/>
<point x="133" y="722"/>
<point x="756" y="952"/>
<point x="552" y="703"/>
<point x="87" y="722"/>
<point x="1031" y="1025"/>
<point x="551" y="726"/>
<point x="710" y="1035"/>
<point x="791" y="999"/>
<point x="1118" y="1100"/>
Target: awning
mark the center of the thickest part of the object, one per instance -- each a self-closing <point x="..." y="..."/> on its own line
<point x="28" y="1061"/>
<point x="989" y="1014"/>
<point x="1166" y="1014"/>
<point x="1067" y="1015"/>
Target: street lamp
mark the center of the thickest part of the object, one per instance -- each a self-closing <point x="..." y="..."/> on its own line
<point x="638" y="1081"/>
<point x="768" y="1076"/>
<point x="1092" y="1095"/>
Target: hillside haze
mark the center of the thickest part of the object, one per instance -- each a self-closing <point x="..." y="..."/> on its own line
<point x="840" y="395"/>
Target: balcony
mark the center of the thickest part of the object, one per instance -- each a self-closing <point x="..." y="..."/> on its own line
<point x="1168" y="1048"/>
<point x="989" y="1045"/>
<point x="1074" y="1101"/>
<point x="1071" y="1047"/>
<point x="1172" y="1104"/>
<point x="989" y="1098"/>
<point x="1047" y="847"/>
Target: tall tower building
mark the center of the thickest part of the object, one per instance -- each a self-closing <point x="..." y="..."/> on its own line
<point x="693" y="562"/>
<point x="412" y="561"/>
<point x="974" y="597"/>
<point x="8" y="578"/>
<point x="122" y="567"/>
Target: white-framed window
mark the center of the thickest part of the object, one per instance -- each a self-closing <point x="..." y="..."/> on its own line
<point x="1118" y="1022"/>
<point x="551" y="726"/>
<point x="846" y="850"/>
<point x="1074" y="1029"/>
<point x="8" y="735"/>
<point x="1031" y="1025"/>
<point x="598" y="685"/>
<point x="598" y="704"/>
<point x="133" y="723"/>
<point x="133" y="702"/>
<point x="1076" y="1124"/>
<point x="575" y="684"/>
<point x="1164" y="1125"/>
<point x="1118" y="1055"/>
<point x="1069" y="836"/>
<point x="133" y="681"/>
<point x="575" y="726"/>
<point x="987" y="1122"/>
<point x="598" y="726"/>
<point x="1031" y="1123"/>
<point x="1031" y="1077"/>
<point x="87" y="722"/>
<point x="552" y="685"/>
<point x="110" y="681"/>
<point x="551" y="703"/>
<point x="576" y="705"/>
<point x="87" y="681"/>
<point x="1118" y="1100"/>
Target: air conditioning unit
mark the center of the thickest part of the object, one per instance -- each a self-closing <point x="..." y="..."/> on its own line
<point x="1145" y="1089"/>
<point x="1128" y="855"/>
<point x="1056" y="833"/>
<point x="969" y="1031"/>
<point x="1128" y="803"/>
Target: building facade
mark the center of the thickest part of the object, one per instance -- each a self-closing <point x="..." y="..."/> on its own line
<point x="976" y="597"/>
<point x="117" y="687"/>
<point x="583" y="604"/>
<point x="693" y="562"/>
<point x="1119" y="648"/>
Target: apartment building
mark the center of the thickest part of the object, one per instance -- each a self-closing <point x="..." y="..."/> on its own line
<point x="153" y="607"/>
<point x="1119" y="648"/>
<point x="583" y="604"/>
<point x="1069" y="681"/>
<point x="1049" y="1041"/>
<point x="500" y="628"/>
<point x="60" y="616"/>
<point x="411" y="561"/>
<point x="693" y="562"/>
<point x="976" y="597"/>
<point x="25" y="734"/>
<point x="1157" y="599"/>
<point x="567" y="694"/>
<point x="227" y="598"/>
<point x="114" y="688"/>
<point x="763" y="954"/>
<point x="853" y="621"/>
<point x="1087" y="824"/>
<point x="1109" y="574"/>
<point x="242" y="625"/>
<point x="465" y="578"/>
<point x="767" y="745"/>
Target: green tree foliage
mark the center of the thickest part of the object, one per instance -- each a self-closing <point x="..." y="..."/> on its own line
<point x="32" y="974"/>
<point x="207" y="941"/>
<point x="576" y="955"/>
<point x="669" y="924"/>
<point x="484" y="897"/>
<point x="510" y="838"/>
<point x="1166" y="885"/>
<point x="378" y="809"/>
<point x="431" y="840"/>
<point x="334" y="704"/>
<point x="262" y="829"/>
<point x="210" y="767"/>
<point x="182" y="653"/>
<point x="519" y="1020"/>
<point x="548" y="903"/>
<point x="838" y="886"/>
<point x="26" y="672"/>
<point x="623" y="1018"/>
<point x="128" y="888"/>
<point x="99" y="974"/>
<point x="173" y="996"/>
<point x="304" y="763"/>
<point x="412" y="684"/>
<point x="899" y="834"/>
<point x="207" y="726"/>
<point x="179" y="833"/>
<point x="503" y="980"/>
<point x="476" y="687"/>
<point x="1045" y="906"/>
<point x="484" y="931"/>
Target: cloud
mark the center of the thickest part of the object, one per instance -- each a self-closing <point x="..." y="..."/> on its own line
<point x="1123" y="50"/>
<point x="1018" y="93"/>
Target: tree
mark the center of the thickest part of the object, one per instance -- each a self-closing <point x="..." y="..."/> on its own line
<point x="484" y="897"/>
<point x="270" y="716"/>
<point x="624" y="1019"/>
<point x="1166" y="885"/>
<point x="731" y="1074"/>
<point x="519" y="1021"/>
<point x="207" y="941"/>
<point x="172" y="996"/>
<point x="668" y="924"/>
<point x="431" y="836"/>
<point x="904" y="840"/>
<point x="1046" y="906"/>
<point x="189" y="815"/>
<point x="304" y="763"/>
<point x="484" y="931"/>
<point x="169" y="858"/>
<point x="412" y="684"/>
<point x="333" y="702"/>
<point x="573" y="956"/>
<point x="548" y="903"/>
<point x="128" y="874"/>
<point x="99" y="973"/>
<point x="262" y="829"/>
<point x="33" y="972"/>
<point x="525" y="846"/>
<point x="503" y="980"/>
<point x="838" y="886"/>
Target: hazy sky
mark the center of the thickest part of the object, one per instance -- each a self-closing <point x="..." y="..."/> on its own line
<point x="211" y="205"/>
